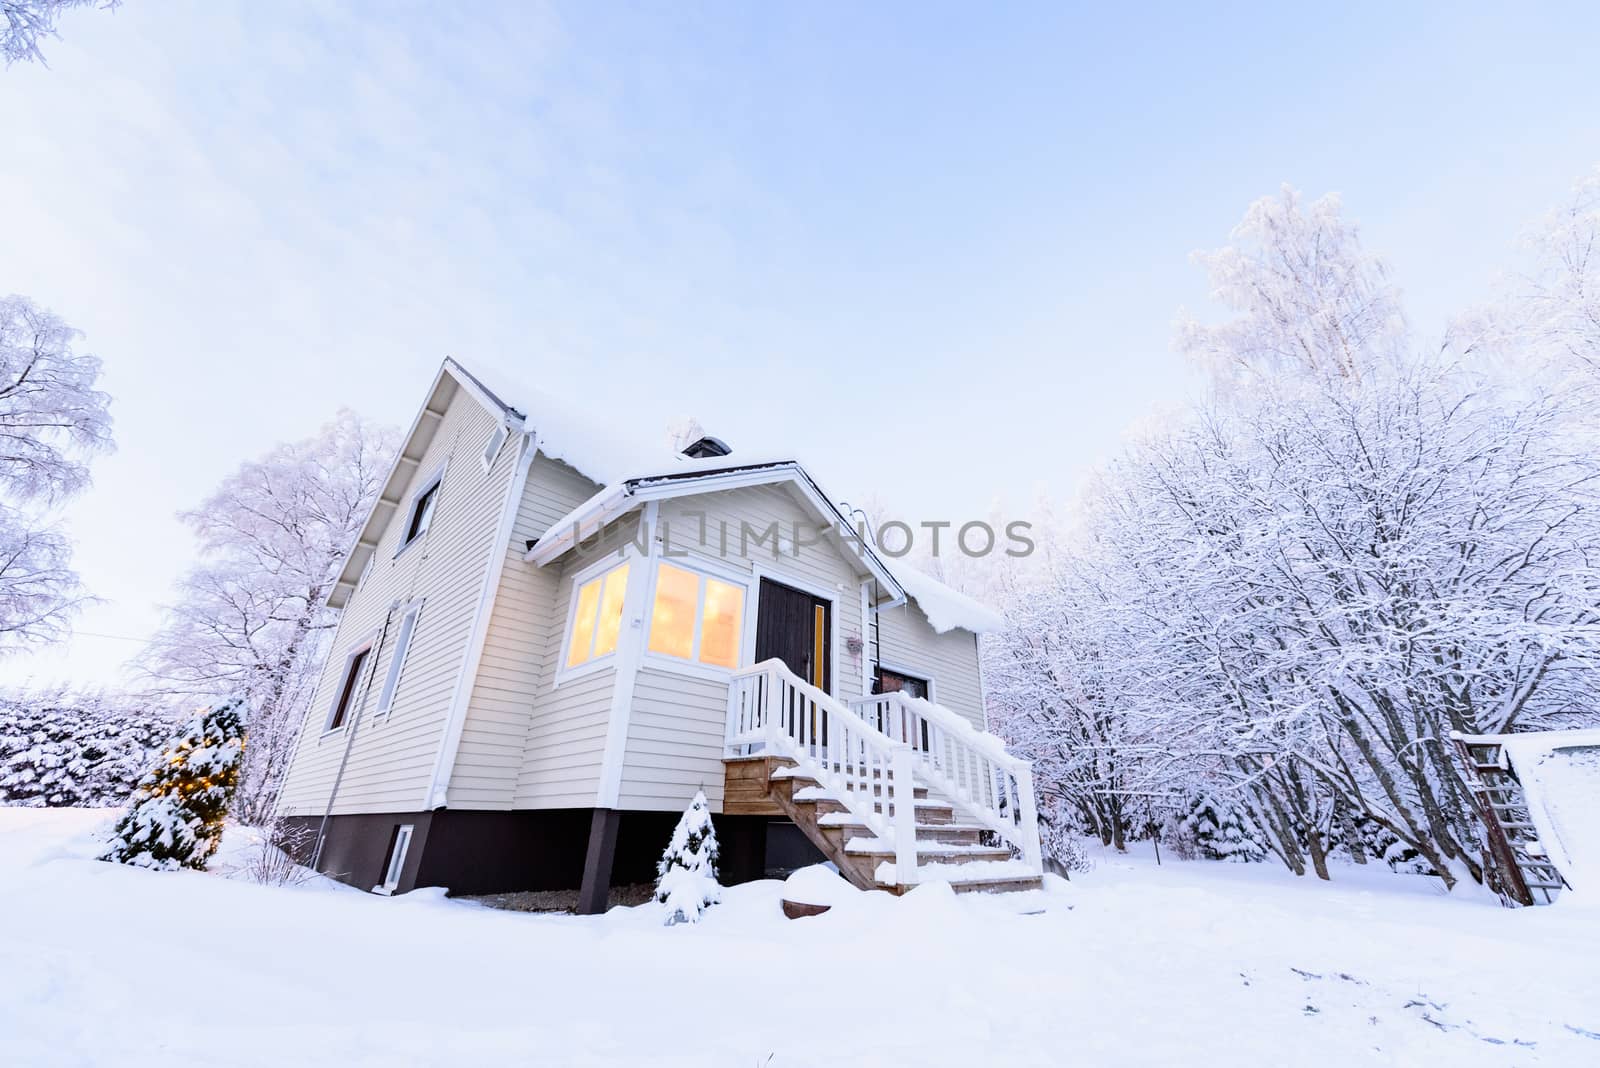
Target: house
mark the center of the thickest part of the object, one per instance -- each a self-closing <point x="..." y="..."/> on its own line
<point x="548" y="642"/>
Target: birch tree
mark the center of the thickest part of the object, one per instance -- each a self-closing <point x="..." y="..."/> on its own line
<point x="250" y="618"/>
<point x="27" y="22"/>
<point x="52" y="422"/>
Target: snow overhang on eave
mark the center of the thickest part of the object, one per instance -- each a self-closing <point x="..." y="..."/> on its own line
<point x="614" y="502"/>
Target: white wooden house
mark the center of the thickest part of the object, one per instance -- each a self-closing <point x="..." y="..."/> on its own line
<point x="548" y="643"/>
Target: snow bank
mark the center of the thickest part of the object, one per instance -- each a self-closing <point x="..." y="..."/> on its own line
<point x="1177" y="964"/>
<point x="819" y="885"/>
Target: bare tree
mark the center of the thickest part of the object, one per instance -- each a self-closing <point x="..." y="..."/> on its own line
<point x="52" y="420"/>
<point x="251" y="619"/>
<point x="26" y="21"/>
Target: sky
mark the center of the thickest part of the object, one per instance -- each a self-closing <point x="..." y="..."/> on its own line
<point x="937" y="251"/>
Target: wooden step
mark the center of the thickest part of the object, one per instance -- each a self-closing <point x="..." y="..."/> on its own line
<point x="950" y="834"/>
<point x="934" y="855"/>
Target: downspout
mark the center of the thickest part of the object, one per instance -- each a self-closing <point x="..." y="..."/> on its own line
<point x="350" y="739"/>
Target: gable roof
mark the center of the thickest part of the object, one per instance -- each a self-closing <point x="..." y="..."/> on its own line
<point x="631" y="468"/>
<point x="709" y="475"/>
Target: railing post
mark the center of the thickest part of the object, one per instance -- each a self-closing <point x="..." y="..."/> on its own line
<point x="905" y="816"/>
<point x="730" y="731"/>
<point x="1031" y="850"/>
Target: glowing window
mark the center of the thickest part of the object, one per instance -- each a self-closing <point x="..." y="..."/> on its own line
<point x="597" y="617"/>
<point x="696" y="617"/>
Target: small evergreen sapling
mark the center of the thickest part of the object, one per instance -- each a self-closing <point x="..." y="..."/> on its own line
<point x="687" y="874"/>
<point x="175" y="817"/>
<point x="1222" y="832"/>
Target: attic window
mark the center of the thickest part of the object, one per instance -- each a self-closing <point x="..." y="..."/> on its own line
<point x="707" y="447"/>
<point x="423" y="506"/>
<point x="491" y="450"/>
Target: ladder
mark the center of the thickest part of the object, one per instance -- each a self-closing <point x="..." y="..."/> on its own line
<point x="1514" y="844"/>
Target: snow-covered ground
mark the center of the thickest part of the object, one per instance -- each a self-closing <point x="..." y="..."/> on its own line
<point x="1129" y="964"/>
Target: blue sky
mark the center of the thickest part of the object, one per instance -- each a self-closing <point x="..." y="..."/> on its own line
<point x="936" y="251"/>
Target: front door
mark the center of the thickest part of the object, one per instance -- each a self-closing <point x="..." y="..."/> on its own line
<point x="795" y="627"/>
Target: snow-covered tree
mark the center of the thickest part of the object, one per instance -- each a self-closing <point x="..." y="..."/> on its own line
<point x="89" y="751"/>
<point x="52" y="420"/>
<point x="250" y="617"/>
<point x="686" y="876"/>
<point x="1291" y="596"/>
<point x="1221" y="832"/>
<point x="1310" y="301"/>
<point x="26" y="21"/>
<point x="176" y="815"/>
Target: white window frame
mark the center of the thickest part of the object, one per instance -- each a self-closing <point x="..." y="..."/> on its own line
<point x="434" y="482"/>
<point x="693" y="666"/>
<point x="397" y="859"/>
<point x="357" y="695"/>
<point x="405" y="637"/>
<point x="497" y="441"/>
<point x="595" y="663"/>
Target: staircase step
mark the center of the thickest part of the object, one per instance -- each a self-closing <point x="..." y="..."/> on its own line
<point x="951" y="834"/>
<point x="801" y="782"/>
<point x="927" y="853"/>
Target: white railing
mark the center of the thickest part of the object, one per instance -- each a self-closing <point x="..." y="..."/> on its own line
<point x="969" y="767"/>
<point x="772" y="710"/>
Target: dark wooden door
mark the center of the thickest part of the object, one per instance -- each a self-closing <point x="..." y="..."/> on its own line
<point x="795" y="627"/>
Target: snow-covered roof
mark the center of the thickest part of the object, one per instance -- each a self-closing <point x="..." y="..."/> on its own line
<point x="946" y="608"/>
<point x="605" y="453"/>
<point x="624" y="460"/>
<point x="1560" y="776"/>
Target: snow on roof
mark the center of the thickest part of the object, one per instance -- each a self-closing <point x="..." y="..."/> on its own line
<point x="1560" y="775"/>
<point x="945" y="608"/>
<point x="621" y="456"/>
<point x="603" y="453"/>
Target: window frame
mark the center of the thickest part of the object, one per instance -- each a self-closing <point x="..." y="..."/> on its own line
<point x="694" y="666"/>
<point x="405" y="637"/>
<point x="880" y="666"/>
<point x="433" y="484"/>
<point x="491" y="451"/>
<point x="395" y="867"/>
<point x="349" y="686"/>
<point x="597" y="570"/>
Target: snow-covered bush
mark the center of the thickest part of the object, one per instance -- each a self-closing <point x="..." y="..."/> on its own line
<point x="1222" y="832"/>
<point x="58" y="751"/>
<point x="686" y="877"/>
<point x="175" y="818"/>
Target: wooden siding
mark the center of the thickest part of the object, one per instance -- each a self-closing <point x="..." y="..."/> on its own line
<point x="566" y="734"/>
<point x="678" y="720"/>
<point x="908" y="641"/>
<point x="392" y="760"/>
<point x="519" y="654"/>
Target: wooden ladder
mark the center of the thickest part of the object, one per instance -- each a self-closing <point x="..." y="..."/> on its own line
<point x="1513" y="840"/>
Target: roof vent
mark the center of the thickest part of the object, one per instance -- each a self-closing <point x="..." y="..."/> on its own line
<point x="706" y="447"/>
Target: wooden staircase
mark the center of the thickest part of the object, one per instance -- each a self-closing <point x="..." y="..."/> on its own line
<point x="844" y="772"/>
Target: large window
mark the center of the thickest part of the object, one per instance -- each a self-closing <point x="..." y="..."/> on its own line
<point x="696" y="617"/>
<point x="597" y="617"/>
